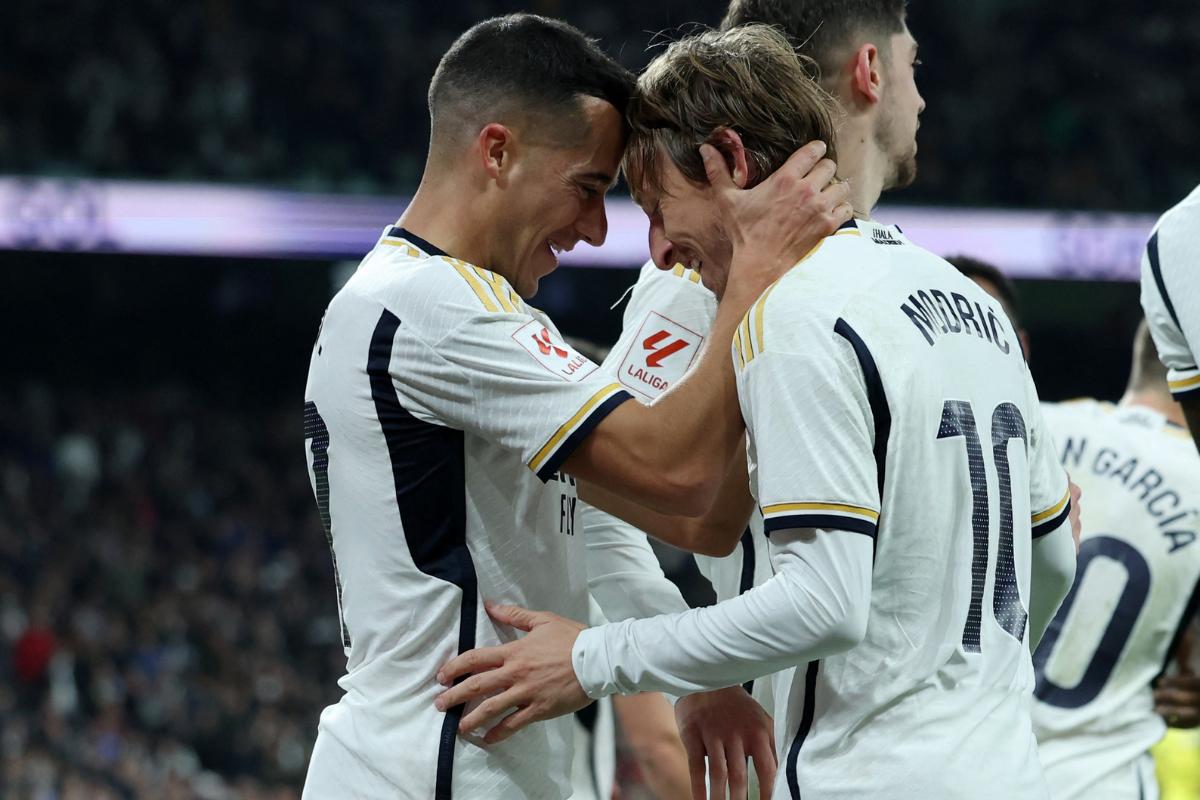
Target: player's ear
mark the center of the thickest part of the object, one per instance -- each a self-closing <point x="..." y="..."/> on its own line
<point x="494" y="147"/>
<point x="866" y="78"/>
<point x="741" y="167"/>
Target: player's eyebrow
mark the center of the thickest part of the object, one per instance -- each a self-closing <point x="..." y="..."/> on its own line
<point x="602" y="178"/>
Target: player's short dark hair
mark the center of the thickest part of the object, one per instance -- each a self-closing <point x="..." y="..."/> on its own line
<point x="1009" y="298"/>
<point x="1147" y="372"/>
<point x="821" y="29"/>
<point x="525" y="67"/>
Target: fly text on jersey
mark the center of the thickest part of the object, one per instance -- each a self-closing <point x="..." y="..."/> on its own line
<point x="936" y="312"/>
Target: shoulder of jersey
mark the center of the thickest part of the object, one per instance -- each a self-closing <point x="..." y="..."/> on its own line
<point x="399" y="273"/>
<point x="678" y="276"/>
<point x="1184" y="216"/>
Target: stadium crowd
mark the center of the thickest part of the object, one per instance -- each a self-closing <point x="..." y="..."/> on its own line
<point x="330" y="95"/>
<point x="145" y="542"/>
<point x="167" y="621"/>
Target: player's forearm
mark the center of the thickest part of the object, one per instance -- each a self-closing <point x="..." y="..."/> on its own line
<point x="1053" y="572"/>
<point x="648" y="724"/>
<point x="624" y="576"/>
<point x="815" y="605"/>
<point x="715" y="533"/>
<point x="689" y="435"/>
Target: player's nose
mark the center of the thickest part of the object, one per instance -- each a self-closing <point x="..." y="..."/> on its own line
<point x="593" y="223"/>
<point x="662" y="251"/>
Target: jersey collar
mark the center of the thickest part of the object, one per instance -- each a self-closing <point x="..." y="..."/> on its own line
<point x="429" y="249"/>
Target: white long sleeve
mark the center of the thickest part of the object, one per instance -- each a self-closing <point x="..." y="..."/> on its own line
<point x="1053" y="572"/>
<point x="624" y="576"/>
<point x="816" y="604"/>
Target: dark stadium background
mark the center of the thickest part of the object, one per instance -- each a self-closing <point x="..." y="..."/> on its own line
<point x="166" y="604"/>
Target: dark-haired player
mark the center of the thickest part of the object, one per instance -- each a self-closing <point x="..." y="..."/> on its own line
<point x="450" y="428"/>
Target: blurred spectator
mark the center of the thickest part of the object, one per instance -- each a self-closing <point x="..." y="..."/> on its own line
<point x="1067" y="105"/>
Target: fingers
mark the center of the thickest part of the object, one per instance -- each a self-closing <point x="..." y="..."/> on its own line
<point x="821" y="175"/>
<point x="477" y="660"/>
<point x="715" y="168"/>
<point x="804" y="161"/>
<point x="510" y="725"/>
<point x="695" y="757"/>
<point x="520" y="618"/>
<point x="735" y="764"/>
<point x="491" y="709"/>
<point x="717" y="774"/>
<point x="765" y="766"/>
<point x="482" y="684"/>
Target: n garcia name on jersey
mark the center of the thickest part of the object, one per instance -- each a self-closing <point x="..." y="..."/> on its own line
<point x="1175" y="521"/>
<point x="936" y="313"/>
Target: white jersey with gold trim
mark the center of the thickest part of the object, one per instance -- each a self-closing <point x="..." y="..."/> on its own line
<point x="1171" y="293"/>
<point x="438" y="410"/>
<point x="885" y="395"/>
<point x="1135" y="588"/>
<point x="665" y="324"/>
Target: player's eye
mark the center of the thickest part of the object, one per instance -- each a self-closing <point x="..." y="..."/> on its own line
<point x="589" y="192"/>
<point x="917" y="62"/>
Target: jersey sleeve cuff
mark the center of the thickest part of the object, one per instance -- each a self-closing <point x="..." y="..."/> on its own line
<point x="1184" y="382"/>
<point x="833" y="516"/>
<point x="589" y="657"/>
<point x="1052" y="518"/>
<point x="571" y="433"/>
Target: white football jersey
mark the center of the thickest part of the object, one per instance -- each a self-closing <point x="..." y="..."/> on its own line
<point x="666" y="323"/>
<point x="438" y="410"/>
<point x="1171" y="293"/>
<point x="886" y="396"/>
<point x="594" y="769"/>
<point x="1135" y="589"/>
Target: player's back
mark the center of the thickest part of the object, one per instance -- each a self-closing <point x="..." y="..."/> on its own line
<point x="1139" y="564"/>
<point x="934" y="702"/>
<point x="433" y="398"/>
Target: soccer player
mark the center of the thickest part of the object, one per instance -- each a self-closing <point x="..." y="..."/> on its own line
<point x="450" y="429"/>
<point x="1171" y="300"/>
<point x="918" y="517"/>
<point x="672" y="306"/>
<point x="1135" y="591"/>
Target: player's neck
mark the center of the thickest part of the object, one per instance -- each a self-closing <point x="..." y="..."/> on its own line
<point x="1155" y="402"/>
<point x="442" y="217"/>
<point x="862" y="164"/>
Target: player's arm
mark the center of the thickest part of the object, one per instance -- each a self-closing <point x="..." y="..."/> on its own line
<point x="1054" y="502"/>
<point x="1174" y="317"/>
<point x="815" y="605"/>
<point x="673" y="455"/>
<point x="715" y="533"/>
<point x="624" y="576"/>
<point x="648" y="724"/>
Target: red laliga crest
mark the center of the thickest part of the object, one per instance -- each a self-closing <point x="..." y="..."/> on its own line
<point x="667" y="350"/>
<point x="555" y="355"/>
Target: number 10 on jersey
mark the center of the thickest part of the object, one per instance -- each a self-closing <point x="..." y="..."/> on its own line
<point x="958" y="419"/>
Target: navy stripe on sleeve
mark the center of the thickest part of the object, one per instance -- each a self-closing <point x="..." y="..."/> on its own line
<point x="1052" y="524"/>
<point x="1156" y="270"/>
<point x="829" y="521"/>
<point x="568" y="445"/>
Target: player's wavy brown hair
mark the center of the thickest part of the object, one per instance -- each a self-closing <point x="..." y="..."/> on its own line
<point x="747" y="79"/>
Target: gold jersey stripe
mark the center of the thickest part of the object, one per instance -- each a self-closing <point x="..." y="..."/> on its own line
<point x="409" y="250"/>
<point x="1185" y="383"/>
<point x="737" y="351"/>
<point x="758" y="315"/>
<point x="498" y="288"/>
<point x="744" y="340"/>
<point x="678" y="270"/>
<point x="693" y="276"/>
<point x="1054" y="509"/>
<point x="779" y="508"/>
<point x="462" y="268"/>
<point x="565" y="429"/>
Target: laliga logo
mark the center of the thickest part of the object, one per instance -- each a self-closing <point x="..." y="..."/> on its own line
<point x="657" y="354"/>
<point x="542" y="340"/>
